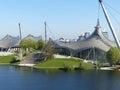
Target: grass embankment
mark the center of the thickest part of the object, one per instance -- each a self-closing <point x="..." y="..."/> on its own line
<point x="64" y="64"/>
<point x="8" y="59"/>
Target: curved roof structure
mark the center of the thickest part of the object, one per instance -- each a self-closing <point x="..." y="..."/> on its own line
<point x="95" y="40"/>
<point x="33" y="37"/>
<point x="8" y="41"/>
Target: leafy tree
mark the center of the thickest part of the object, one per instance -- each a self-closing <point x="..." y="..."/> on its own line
<point x="113" y="55"/>
<point x="48" y="50"/>
<point x="40" y="44"/>
<point x="28" y="43"/>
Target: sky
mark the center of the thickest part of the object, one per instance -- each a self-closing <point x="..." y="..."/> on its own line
<point x="65" y="18"/>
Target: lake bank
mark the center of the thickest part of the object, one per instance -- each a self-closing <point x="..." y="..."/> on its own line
<point x="63" y="63"/>
<point x="54" y="63"/>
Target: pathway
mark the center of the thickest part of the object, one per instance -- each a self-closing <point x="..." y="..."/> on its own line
<point x="31" y="60"/>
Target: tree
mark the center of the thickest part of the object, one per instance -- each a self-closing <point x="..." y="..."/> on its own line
<point x="27" y="45"/>
<point x="40" y="44"/>
<point x="113" y="55"/>
<point x="48" y="50"/>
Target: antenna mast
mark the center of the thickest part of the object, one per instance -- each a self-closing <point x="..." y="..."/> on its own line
<point x="109" y="23"/>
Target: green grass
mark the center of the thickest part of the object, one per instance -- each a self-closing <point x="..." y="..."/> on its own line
<point x="64" y="63"/>
<point x="87" y="66"/>
<point x="7" y="59"/>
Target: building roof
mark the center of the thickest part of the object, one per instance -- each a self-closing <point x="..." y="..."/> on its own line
<point x="33" y="37"/>
<point x="95" y="40"/>
<point x="10" y="41"/>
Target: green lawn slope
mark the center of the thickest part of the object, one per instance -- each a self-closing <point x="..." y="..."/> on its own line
<point x="57" y="63"/>
<point x="7" y="59"/>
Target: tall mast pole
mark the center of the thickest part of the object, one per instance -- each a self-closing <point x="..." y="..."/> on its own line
<point x="20" y="54"/>
<point x="20" y="31"/>
<point x="110" y="24"/>
<point x="45" y="32"/>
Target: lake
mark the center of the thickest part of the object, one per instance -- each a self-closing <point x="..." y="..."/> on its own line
<point x="24" y="78"/>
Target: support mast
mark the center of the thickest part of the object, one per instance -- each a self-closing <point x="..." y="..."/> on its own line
<point x="20" y="53"/>
<point x="110" y="24"/>
<point x="20" y="31"/>
<point x="45" y="32"/>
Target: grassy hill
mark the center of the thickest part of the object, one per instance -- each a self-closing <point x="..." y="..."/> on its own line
<point x="71" y="64"/>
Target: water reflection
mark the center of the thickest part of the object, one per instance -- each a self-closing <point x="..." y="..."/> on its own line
<point x="25" y="70"/>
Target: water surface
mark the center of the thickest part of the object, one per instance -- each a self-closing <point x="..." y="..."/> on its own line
<point x="24" y="78"/>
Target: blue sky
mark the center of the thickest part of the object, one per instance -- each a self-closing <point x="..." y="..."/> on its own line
<point x="65" y="18"/>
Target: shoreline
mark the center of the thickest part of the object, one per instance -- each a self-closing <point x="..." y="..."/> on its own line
<point x="59" y="68"/>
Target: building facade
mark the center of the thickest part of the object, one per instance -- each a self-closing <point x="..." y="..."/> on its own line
<point x="93" y="46"/>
